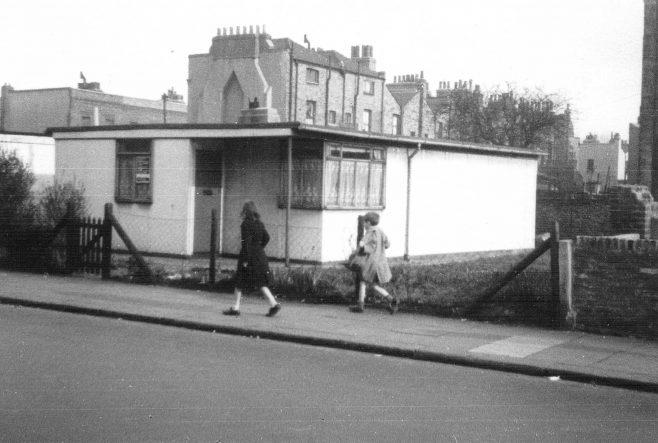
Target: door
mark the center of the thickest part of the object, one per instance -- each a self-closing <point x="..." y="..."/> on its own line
<point x="208" y="196"/>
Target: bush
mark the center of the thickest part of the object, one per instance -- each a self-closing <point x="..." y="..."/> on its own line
<point x="16" y="208"/>
<point x="58" y="198"/>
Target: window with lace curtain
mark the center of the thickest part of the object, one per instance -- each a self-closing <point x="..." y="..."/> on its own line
<point x="336" y="176"/>
<point x="354" y="176"/>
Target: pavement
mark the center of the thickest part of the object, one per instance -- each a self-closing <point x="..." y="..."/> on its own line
<point x="629" y="363"/>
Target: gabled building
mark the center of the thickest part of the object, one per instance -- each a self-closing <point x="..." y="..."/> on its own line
<point x="249" y="77"/>
<point x="416" y="117"/>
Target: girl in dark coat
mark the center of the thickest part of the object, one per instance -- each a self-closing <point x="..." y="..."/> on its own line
<point x="253" y="268"/>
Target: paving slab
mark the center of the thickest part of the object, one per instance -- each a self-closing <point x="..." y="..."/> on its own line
<point x="572" y="355"/>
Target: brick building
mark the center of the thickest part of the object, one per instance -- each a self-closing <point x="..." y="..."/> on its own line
<point x="35" y="110"/>
<point x="601" y="164"/>
<point x="247" y="76"/>
<point x="644" y="164"/>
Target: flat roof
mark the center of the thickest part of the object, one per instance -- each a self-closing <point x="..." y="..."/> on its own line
<point x="286" y="129"/>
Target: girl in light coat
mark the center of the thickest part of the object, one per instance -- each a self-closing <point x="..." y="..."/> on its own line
<point x="375" y="270"/>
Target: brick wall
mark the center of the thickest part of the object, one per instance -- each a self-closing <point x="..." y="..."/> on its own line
<point x="615" y="287"/>
<point x="587" y="215"/>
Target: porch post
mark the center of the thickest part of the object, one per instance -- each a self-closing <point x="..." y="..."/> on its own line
<point x="288" y="201"/>
<point x="221" y="202"/>
<point x="408" y="212"/>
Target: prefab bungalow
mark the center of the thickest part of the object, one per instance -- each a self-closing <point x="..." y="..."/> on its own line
<point x="310" y="183"/>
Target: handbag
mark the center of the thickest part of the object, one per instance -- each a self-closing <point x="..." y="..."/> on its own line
<point x="356" y="261"/>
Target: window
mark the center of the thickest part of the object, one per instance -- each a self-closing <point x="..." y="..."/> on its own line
<point x="332" y="117"/>
<point x="312" y="76"/>
<point x="85" y="120"/>
<point x="354" y="177"/>
<point x="367" y="117"/>
<point x="109" y="120"/>
<point x="395" y="130"/>
<point x="134" y="172"/>
<point x="349" y="176"/>
<point x="310" y="112"/>
<point x="590" y="165"/>
<point x="369" y="87"/>
<point x="306" y="176"/>
<point x="348" y="118"/>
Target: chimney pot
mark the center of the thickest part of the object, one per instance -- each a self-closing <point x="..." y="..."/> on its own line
<point x="422" y="74"/>
<point x="251" y="29"/>
<point x="231" y="29"/>
<point x="257" y="29"/>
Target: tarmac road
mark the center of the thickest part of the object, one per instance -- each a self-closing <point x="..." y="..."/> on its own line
<point x="69" y="377"/>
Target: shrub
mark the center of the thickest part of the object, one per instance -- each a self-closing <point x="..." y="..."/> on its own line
<point x="58" y="198"/>
<point x="16" y="207"/>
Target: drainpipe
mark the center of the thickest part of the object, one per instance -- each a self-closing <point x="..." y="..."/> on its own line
<point x="421" y="101"/>
<point x="381" y="125"/>
<point x="296" y="88"/>
<point x="342" y="110"/>
<point x="356" y="94"/>
<point x="288" y="201"/>
<point x="326" y="97"/>
<point x="406" y="227"/>
<point x="290" y="82"/>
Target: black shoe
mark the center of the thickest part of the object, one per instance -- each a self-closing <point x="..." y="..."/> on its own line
<point x="358" y="308"/>
<point x="231" y="311"/>
<point x="273" y="310"/>
<point x="393" y="305"/>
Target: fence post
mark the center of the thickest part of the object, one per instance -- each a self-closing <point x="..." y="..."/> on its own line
<point x="555" y="271"/>
<point x="359" y="237"/>
<point x="567" y="313"/>
<point x="72" y="239"/>
<point x="213" y="245"/>
<point x="106" y="260"/>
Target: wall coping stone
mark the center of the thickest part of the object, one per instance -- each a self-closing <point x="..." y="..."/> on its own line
<point x="618" y="244"/>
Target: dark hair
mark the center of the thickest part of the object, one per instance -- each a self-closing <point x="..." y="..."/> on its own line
<point x="249" y="211"/>
<point x="371" y="217"/>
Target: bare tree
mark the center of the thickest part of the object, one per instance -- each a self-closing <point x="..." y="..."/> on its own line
<point x="504" y="116"/>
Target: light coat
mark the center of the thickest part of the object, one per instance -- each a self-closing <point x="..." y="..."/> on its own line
<point x="376" y="269"/>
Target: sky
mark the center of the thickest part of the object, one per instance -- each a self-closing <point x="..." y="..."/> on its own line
<point x="587" y="51"/>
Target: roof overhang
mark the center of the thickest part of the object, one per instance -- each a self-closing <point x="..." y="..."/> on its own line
<point x="279" y="130"/>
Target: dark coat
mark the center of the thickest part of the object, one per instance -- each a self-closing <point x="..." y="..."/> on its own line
<point x="253" y="268"/>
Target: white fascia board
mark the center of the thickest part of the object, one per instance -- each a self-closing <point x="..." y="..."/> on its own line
<point x="174" y="133"/>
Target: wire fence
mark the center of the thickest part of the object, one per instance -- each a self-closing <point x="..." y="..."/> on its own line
<point x="170" y="236"/>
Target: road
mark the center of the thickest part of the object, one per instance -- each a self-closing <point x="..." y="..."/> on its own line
<point x="75" y="378"/>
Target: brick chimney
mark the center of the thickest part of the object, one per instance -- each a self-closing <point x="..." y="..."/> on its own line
<point x="365" y="59"/>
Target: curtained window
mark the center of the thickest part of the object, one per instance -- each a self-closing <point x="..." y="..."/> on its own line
<point x="354" y="177"/>
<point x="134" y="176"/>
<point x="342" y="176"/>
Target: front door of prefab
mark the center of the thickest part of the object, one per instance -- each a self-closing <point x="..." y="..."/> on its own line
<point x="208" y="196"/>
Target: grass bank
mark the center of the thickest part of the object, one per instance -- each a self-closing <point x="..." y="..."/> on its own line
<point x="445" y="287"/>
